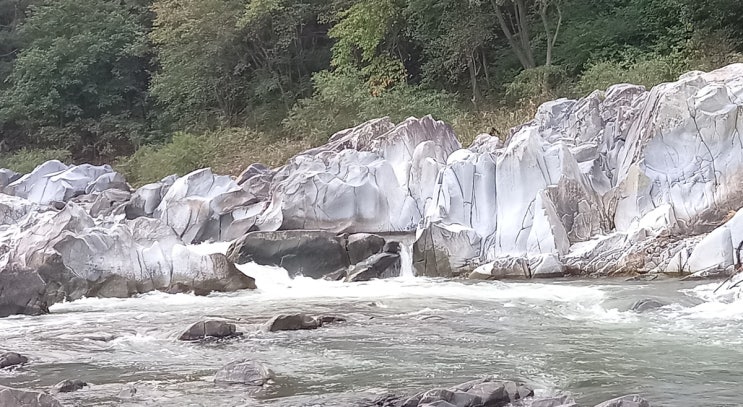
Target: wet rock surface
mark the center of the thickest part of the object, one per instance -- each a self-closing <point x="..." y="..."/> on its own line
<point x="11" y="360"/>
<point x="68" y="386"/>
<point x="212" y="329"/>
<point x="295" y="322"/>
<point x="10" y="397"/>
<point x="632" y="400"/>
<point x="244" y="372"/>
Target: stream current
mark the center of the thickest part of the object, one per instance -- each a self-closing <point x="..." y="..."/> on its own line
<point x="403" y="335"/>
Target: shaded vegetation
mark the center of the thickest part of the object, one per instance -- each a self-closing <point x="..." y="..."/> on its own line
<point x="168" y="86"/>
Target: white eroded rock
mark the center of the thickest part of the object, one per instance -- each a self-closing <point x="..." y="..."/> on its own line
<point x="370" y="178"/>
<point x="198" y="206"/>
<point x="54" y="181"/>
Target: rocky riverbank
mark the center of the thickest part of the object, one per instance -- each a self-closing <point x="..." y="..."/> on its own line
<point x="626" y="181"/>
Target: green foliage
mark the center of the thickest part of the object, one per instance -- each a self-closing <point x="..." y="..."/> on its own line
<point x="183" y="154"/>
<point x="83" y="61"/>
<point x="25" y="160"/>
<point x="455" y="33"/>
<point x="80" y="62"/>
<point x="343" y="100"/>
<point x="226" y="151"/>
<point x="102" y="78"/>
<point x="200" y="72"/>
<point x="542" y="83"/>
<point x="648" y="71"/>
<point x="221" y="59"/>
<point x="362" y="30"/>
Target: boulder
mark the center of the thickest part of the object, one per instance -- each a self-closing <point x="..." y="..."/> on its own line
<point x="503" y="268"/>
<point x="382" y="265"/>
<point x="361" y="246"/>
<point x="209" y="329"/>
<point x="12" y="359"/>
<point x="646" y="304"/>
<point x="68" y="386"/>
<point x="301" y="252"/>
<point x="105" y="203"/>
<point x="54" y="256"/>
<point x="632" y="400"/>
<point x="10" y="397"/>
<point x="559" y="401"/>
<point x="22" y="291"/>
<point x="483" y="392"/>
<point x="292" y="322"/>
<point x="245" y="372"/>
<point x="546" y="266"/>
<point x="443" y="250"/>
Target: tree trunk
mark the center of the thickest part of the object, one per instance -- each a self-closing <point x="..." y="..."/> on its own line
<point x="551" y="37"/>
<point x="515" y="46"/>
<point x="522" y="17"/>
<point x="472" y="67"/>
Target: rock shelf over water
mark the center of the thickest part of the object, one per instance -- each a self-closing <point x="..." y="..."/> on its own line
<point x="623" y="181"/>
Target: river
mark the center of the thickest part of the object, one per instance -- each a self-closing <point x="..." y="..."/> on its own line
<point x="402" y="335"/>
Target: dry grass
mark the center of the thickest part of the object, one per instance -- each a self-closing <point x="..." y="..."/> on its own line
<point x="495" y="120"/>
<point x="236" y="149"/>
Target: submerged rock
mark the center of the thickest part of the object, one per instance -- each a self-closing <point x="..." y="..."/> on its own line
<point x="482" y="392"/>
<point x="646" y="304"/>
<point x="68" y="386"/>
<point x="292" y="322"/>
<point x="560" y="401"/>
<point x="210" y="329"/>
<point x="10" y="397"/>
<point x="246" y="372"/>
<point x="12" y="359"/>
<point x="632" y="400"/>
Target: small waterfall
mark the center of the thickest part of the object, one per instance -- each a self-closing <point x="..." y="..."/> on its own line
<point x="406" y="259"/>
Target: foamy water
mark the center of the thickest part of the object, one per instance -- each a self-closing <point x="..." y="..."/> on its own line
<point x="402" y="335"/>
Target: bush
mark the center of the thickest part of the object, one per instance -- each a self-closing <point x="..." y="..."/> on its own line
<point x="227" y="151"/>
<point x="25" y="160"/>
<point x="183" y="154"/>
<point x="541" y="83"/>
<point x="648" y="71"/>
<point x="343" y="99"/>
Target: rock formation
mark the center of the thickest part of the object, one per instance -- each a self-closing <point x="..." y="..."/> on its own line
<point x="626" y="180"/>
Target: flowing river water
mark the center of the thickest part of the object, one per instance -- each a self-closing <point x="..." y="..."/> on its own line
<point x="402" y="335"/>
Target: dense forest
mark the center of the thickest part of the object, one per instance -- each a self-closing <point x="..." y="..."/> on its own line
<point x="163" y="86"/>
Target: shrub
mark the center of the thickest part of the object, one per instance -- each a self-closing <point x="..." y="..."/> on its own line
<point x="541" y="83"/>
<point x="343" y="99"/>
<point x="648" y="71"/>
<point x="227" y="151"/>
<point x="183" y="154"/>
<point x="25" y="160"/>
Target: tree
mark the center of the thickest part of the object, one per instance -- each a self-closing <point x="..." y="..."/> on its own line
<point x="455" y="36"/>
<point x="81" y="76"/>
<point x="227" y="58"/>
<point x="370" y="37"/>
<point x="515" y="17"/>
